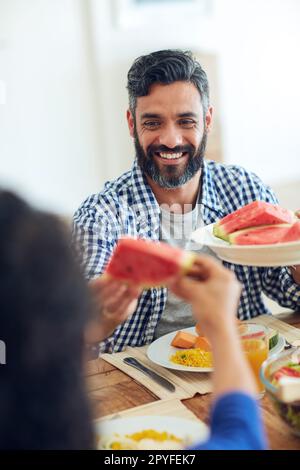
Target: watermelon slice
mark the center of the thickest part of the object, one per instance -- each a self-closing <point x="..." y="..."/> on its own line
<point x="147" y="263"/>
<point x="286" y="371"/>
<point x="293" y="233"/>
<point x="266" y="235"/>
<point x="252" y="215"/>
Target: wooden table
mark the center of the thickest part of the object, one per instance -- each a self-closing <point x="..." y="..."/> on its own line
<point x="111" y="391"/>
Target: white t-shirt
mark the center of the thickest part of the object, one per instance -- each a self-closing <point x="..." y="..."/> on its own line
<point x="176" y="230"/>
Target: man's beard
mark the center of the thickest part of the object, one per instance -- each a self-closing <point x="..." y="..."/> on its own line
<point x="170" y="179"/>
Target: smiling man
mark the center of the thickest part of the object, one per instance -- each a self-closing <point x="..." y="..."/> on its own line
<point x="169" y="128"/>
<point x="169" y="192"/>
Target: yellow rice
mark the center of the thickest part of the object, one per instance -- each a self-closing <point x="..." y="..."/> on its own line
<point x="192" y="358"/>
<point x="152" y="434"/>
<point x="131" y="441"/>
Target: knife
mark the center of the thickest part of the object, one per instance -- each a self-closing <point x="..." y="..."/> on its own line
<point x="131" y="361"/>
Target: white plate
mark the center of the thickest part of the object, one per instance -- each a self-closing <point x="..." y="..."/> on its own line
<point x="161" y="350"/>
<point x="279" y="254"/>
<point x="192" y="431"/>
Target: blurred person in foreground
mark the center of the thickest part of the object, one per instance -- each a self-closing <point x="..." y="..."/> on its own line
<point x="170" y="191"/>
<point x="44" y="313"/>
<point x="44" y="310"/>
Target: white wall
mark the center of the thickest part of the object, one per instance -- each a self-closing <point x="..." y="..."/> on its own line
<point x="50" y="148"/>
<point x="63" y="129"/>
<point x="260" y="78"/>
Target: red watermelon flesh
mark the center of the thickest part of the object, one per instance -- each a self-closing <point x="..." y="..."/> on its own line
<point x="293" y="234"/>
<point x="147" y="263"/>
<point x="252" y="215"/>
<point x="266" y="235"/>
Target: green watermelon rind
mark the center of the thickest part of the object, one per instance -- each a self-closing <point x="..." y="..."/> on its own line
<point x="233" y="237"/>
<point x="219" y="233"/>
<point x="273" y="339"/>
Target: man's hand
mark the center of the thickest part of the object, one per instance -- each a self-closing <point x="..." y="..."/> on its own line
<point x="213" y="292"/>
<point x="114" y="302"/>
<point x="295" y="271"/>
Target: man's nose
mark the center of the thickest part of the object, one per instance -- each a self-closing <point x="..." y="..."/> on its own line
<point x="170" y="136"/>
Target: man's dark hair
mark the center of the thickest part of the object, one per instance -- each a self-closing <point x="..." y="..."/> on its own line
<point x="166" y="67"/>
<point x="44" y="309"/>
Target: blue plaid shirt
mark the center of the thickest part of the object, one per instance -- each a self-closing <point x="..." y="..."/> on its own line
<point x="127" y="206"/>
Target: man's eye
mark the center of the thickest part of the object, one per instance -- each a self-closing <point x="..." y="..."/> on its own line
<point x="151" y="124"/>
<point x="187" y="122"/>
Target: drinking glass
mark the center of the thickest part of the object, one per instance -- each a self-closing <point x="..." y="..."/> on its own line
<point x="255" y="343"/>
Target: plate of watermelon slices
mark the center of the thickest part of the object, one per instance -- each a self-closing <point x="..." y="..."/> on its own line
<point x="258" y="234"/>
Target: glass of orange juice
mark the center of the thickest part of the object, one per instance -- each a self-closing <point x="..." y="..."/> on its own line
<point x="255" y="343"/>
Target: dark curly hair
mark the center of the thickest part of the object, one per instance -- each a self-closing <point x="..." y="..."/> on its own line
<point x="44" y="309"/>
<point x="166" y="66"/>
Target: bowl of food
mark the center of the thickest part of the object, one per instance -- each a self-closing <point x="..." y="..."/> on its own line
<point x="280" y="374"/>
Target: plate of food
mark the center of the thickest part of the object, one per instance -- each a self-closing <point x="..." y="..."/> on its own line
<point x="150" y="433"/>
<point x="185" y="350"/>
<point x="178" y="350"/>
<point x="258" y="234"/>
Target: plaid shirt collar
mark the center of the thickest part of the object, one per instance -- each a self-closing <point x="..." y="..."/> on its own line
<point x="144" y="194"/>
<point x="212" y="206"/>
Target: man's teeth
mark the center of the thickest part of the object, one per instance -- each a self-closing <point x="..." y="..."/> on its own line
<point x="171" y="156"/>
